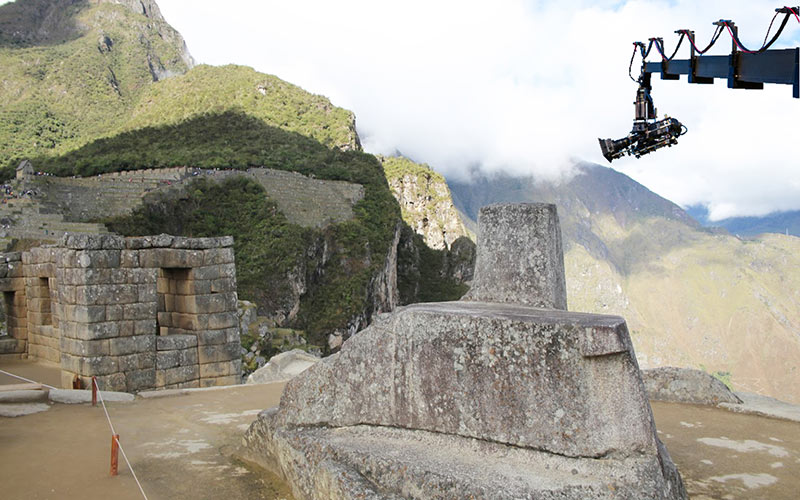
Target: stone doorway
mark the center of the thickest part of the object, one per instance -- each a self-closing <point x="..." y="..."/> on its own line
<point x="174" y="316"/>
<point x="43" y="338"/>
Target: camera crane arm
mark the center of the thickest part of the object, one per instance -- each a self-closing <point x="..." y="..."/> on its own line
<point x="742" y="68"/>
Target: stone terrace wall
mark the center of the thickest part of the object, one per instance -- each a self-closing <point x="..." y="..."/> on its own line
<point x="137" y="313"/>
<point x="305" y="201"/>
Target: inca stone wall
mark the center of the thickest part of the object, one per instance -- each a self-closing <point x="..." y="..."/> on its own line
<point x="503" y="395"/>
<point x="137" y="313"/>
<point x="304" y="200"/>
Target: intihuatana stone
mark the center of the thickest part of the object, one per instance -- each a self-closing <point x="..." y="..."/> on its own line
<point x="504" y="395"/>
<point x="520" y="258"/>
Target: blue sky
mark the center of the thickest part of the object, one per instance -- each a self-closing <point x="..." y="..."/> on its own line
<point x="521" y="86"/>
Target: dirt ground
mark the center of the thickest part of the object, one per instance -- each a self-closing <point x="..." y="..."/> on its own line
<point x="725" y="455"/>
<point x="179" y="447"/>
<point x="185" y="447"/>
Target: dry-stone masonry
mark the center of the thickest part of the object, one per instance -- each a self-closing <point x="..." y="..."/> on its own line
<point x="504" y="395"/>
<point x="304" y="200"/>
<point x="137" y="313"/>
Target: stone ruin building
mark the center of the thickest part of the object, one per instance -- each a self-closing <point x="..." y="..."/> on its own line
<point x="138" y="313"/>
<point x="502" y="395"/>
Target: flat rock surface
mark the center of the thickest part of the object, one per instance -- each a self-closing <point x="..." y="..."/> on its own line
<point x="519" y="256"/>
<point x="422" y="465"/>
<point x="11" y="410"/>
<point x="685" y="385"/>
<point x="69" y="396"/>
<point x="766" y="406"/>
<point x="283" y="367"/>
<point x="23" y="396"/>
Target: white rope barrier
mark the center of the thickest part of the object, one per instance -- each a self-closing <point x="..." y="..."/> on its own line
<point x="114" y="434"/>
<point x="26" y="379"/>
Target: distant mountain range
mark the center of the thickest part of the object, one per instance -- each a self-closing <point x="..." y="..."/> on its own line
<point x="692" y="296"/>
<point x="786" y="223"/>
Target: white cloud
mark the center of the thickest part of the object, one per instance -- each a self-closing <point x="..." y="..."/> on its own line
<point x="521" y="86"/>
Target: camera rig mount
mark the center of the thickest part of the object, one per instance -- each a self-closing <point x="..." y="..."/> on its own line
<point x="743" y="69"/>
<point x="648" y="133"/>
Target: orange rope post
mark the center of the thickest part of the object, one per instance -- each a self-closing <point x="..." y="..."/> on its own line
<point x="114" y="453"/>
<point x="94" y="390"/>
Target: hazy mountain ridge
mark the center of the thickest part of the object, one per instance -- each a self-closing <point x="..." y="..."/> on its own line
<point x="593" y="192"/>
<point x="787" y="223"/>
<point x="691" y="297"/>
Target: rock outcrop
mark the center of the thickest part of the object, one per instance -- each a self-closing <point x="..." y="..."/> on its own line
<point x="425" y="201"/>
<point x="282" y="367"/>
<point x="488" y="398"/>
<point x="684" y="385"/>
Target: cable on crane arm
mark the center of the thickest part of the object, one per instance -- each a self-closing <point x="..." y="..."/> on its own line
<point x="680" y="41"/>
<point x="794" y="11"/>
<point x="644" y="52"/>
<point x="785" y="21"/>
<point x="630" y="66"/>
<point x="766" y="45"/>
<point x="659" y="43"/>
<point x="714" y="39"/>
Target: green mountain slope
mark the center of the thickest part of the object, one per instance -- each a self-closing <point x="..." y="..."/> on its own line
<point x="691" y="297"/>
<point x="105" y="86"/>
<point x="72" y="69"/>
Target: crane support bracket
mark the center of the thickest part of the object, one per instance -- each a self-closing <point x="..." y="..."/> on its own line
<point x="742" y="70"/>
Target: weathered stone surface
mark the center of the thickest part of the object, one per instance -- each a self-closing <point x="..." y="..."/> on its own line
<point x="283" y="366"/>
<point x="175" y="342"/>
<point x="20" y="410"/>
<point x="67" y="396"/>
<point x="220" y="381"/>
<point x="477" y="370"/>
<point x="11" y="346"/>
<point x="219" y="353"/>
<point x="173" y="359"/>
<point x="22" y="396"/>
<point x="684" y="385"/>
<point x="366" y="462"/>
<point x="520" y="257"/>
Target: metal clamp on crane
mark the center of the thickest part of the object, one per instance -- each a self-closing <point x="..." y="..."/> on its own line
<point x="743" y="69"/>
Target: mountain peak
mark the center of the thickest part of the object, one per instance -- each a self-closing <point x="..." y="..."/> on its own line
<point x="31" y="23"/>
<point x="147" y="8"/>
